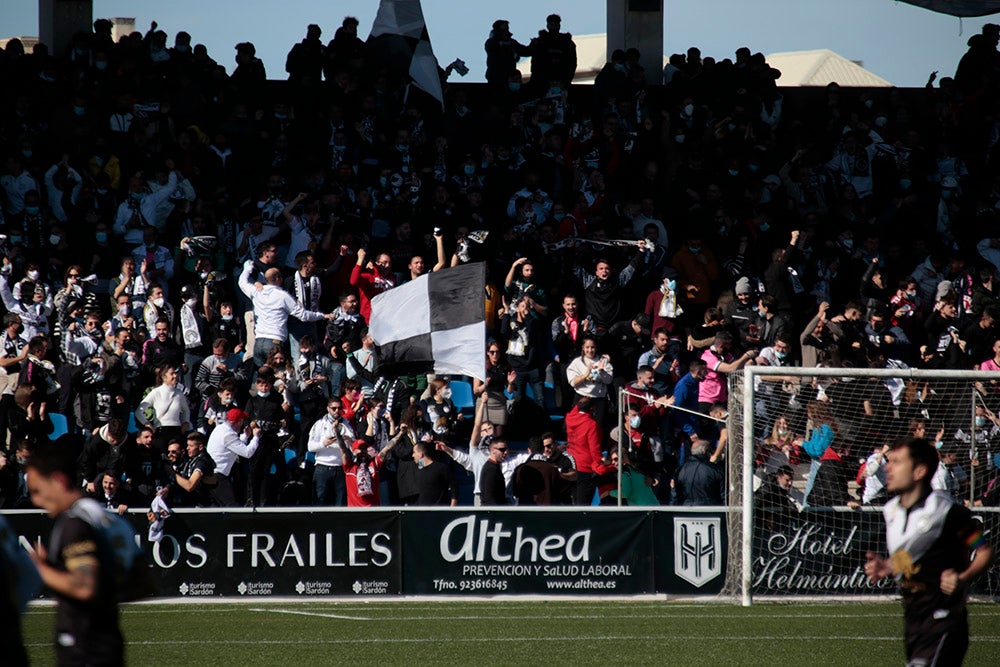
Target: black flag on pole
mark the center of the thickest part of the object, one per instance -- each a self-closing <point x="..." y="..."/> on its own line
<point x="399" y="37"/>
<point x="434" y="324"/>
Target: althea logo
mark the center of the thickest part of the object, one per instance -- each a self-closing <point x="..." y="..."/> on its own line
<point x="471" y="540"/>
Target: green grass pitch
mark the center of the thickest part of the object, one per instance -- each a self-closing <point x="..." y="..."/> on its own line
<point x="531" y="633"/>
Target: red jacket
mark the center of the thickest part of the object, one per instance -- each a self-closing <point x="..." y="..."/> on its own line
<point x="370" y="284"/>
<point x="583" y="440"/>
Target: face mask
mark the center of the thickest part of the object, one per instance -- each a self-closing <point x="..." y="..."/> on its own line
<point x="338" y="147"/>
<point x="782" y="431"/>
<point x="469" y="169"/>
<point x="848" y="244"/>
<point x="764" y="226"/>
<point x="54" y="239"/>
<point x="672" y="284"/>
<point x="31" y="210"/>
<point x="158" y="302"/>
<point x="227" y="318"/>
<point x="620" y="68"/>
<point x="33" y="275"/>
<point x="383" y="181"/>
<point x="151" y="246"/>
<point x="905" y="183"/>
<point x="15" y="239"/>
<point x="881" y="121"/>
<point x="191" y="303"/>
<point x="558" y="216"/>
<point x="203" y="275"/>
<point x="555" y="90"/>
<point x="514" y="86"/>
<point x="79" y="111"/>
<point x="27" y="152"/>
<point x="911" y="295"/>
<point x="869" y="103"/>
<point x="734" y="172"/>
<point x="226" y="401"/>
<point x="695" y="249"/>
<point x="182" y="48"/>
<point x="679" y="138"/>
<point x="281" y="116"/>
<point x="688" y="109"/>
<point x="938" y="445"/>
<point x="980" y="422"/>
<point x="136" y="196"/>
<point x="401" y="148"/>
<point x="781" y="355"/>
<point x="102" y="237"/>
<point x="123" y="310"/>
<point x="263" y="394"/>
<point x="946" y="194"/>
<point x="635" y="421"/>
<point x="446" y="393"/>
<point x="101" y="65"/>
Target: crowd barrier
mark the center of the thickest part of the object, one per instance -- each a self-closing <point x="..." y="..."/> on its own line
<point x="461" y="551"/>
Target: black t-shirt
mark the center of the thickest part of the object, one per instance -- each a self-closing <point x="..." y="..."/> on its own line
<point x="87" y="632"/>
<point x="434" y="484"/>
<point x="492" y="487"/>
<point x="921" y="588"/>
<point x="200" y="496"/>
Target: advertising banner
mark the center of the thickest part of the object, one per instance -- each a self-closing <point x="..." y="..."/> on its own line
<point x="539" y="552"/>
<point x="817" y="552"/>
<point x="691" y="552"/>
<point x="260" y="554"/>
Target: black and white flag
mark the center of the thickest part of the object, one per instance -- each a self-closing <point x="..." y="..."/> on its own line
<point x="434" y="324"/>
<point x="399" y="35"/>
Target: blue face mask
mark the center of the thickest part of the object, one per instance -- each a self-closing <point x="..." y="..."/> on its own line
<point x="102" y="237"/>
<point x="695" y="249"/>
<point x="31" y="210"/>
<point x="980" y="422"/>
<point x="672" y="284"/>
<point x="514" y="86"/>
<point x="469" y="169"/>
<point x="558" y="216"/>
<point x="764" y="227"/>
<point x="79" y="111"/>
<point x="781" y="355"/>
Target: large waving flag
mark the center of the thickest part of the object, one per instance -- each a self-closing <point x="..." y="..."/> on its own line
<point x="434" y="324"/>
<point x="399" y="37"/>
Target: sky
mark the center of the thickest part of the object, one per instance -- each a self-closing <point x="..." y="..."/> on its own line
<point x="899" y="42"/>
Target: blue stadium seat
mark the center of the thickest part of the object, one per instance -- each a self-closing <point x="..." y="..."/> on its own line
<point x="461" y="396"/>
<point x="60" y="425"/>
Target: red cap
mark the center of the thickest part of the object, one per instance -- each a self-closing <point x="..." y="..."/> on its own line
<point x="235" y="415"/>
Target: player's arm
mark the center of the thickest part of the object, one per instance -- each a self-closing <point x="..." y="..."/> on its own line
<point x="876" y="567"/>
<point x="79" y="580"/>
<point x="952" y="581"/>
<point x="189" y="483"/>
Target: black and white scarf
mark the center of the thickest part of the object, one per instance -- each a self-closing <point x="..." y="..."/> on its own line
<point x="189" y="327"/>
<point x="314" y="292"/>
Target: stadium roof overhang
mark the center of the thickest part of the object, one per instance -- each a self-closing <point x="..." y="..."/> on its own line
<point x="959" y="7"/>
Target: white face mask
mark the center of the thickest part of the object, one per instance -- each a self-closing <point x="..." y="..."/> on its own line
<point x="446" y="393"/>
<point x="635" y="421"/>
<point x="688" y="109"/>
<point x="33" y="275"/>
<point x="227" y="318"/>
<point x="191" y="303"/>
<point x="123" y="310"/>
<point x="263" y="394"/>
<point x="54" y="239"/>
<point x="158" y="302"/>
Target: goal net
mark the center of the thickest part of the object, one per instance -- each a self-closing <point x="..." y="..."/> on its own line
<point x="805" y="468"/>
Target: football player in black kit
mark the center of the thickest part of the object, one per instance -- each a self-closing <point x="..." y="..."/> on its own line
<point x="930" y="539"/>
<point x="78" y="566"/>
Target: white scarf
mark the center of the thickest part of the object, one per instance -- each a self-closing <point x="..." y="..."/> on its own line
<point x="314" y="292"/>
<point x="189" y="327"/>
<point x="341" y="316"/>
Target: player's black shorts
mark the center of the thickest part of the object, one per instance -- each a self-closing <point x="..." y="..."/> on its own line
<point x="936" y="642"/>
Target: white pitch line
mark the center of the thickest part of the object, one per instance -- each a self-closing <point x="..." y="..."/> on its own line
<point x="586" y="638"/>
<point x="312" y="613"/>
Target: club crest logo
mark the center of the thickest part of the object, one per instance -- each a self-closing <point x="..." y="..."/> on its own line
<point x="697" y="549"/>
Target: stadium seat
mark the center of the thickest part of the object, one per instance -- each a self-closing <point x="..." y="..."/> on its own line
<point x="461" y="396"/>
<point x="60" y="425"/>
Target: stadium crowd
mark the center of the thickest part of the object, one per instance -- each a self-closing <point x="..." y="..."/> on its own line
<point x="191" y="257"/>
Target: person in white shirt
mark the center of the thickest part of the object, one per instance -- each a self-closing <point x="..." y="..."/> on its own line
<point x="166" y="409"/>
<point x="329" y="439"/>
<point x="226" y="445"/>
<point x="479" y="451"/>
<point x="272" y="305"/>
<point x="140" y="207"/>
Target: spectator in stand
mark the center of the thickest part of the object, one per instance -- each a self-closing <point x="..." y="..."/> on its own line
<point x="699" y="482"/>
<point x="230" y="441"/>
<point x="719" y="360"/>
<point x="697" y="271"/>
<point x="553" y="53"/>
<point x="371" y="279"/>
<point x="329" y="439"/>
<point x="526" y="348"/>
<point x="165" y="408"/>
<point x="502" y="54"/>
<point x="537" y="481"/>
<point x="603" y="292"/>
<point x="584" y="438"/>
<point x="435" y="482"/>
<point x="590" y="376"/>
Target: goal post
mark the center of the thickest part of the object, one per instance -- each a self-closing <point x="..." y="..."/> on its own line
<point x="819" y="550"/>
